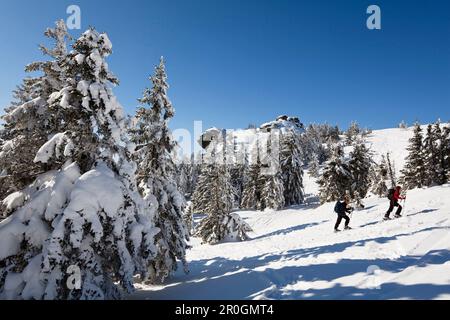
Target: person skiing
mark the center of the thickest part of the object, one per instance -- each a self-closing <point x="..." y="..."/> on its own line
<point x="394" y="198"/>
<point x="342" y="207"/>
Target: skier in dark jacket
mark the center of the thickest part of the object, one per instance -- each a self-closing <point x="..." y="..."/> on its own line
<point x="342" y="208"/>
<point x="394" y="203"/>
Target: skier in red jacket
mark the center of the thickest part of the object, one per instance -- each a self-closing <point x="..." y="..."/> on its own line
<point x="394" y="203"/>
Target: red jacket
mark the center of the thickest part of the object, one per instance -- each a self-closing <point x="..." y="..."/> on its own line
<point x="397" y="195"/>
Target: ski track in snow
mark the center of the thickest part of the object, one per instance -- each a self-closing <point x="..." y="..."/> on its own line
<point x="294" y="253"/>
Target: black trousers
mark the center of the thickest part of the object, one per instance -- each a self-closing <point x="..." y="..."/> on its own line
<point x="339" y="219"/>
<point x="392" y="204"/>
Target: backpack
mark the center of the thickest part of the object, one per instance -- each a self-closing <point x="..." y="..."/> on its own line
<point x="339" y="207"/>
<point x="390" y="193"/>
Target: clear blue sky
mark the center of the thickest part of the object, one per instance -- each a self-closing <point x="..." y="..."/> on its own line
<point x="235" y="62"/>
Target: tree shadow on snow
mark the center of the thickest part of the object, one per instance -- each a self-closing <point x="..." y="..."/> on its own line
<point x="423" y="211"/>
<point x="288" y="230"/>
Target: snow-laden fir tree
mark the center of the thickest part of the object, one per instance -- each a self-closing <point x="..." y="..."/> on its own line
<point x="414" y="171"/>
<point x="238" y="167"/>
<point x="272" y="193"/>
<point x="156" y="174"/>
<point x="314" y="167"/>
<point x="291" y="168"/>
<point x="27" y="121"/>
<point x="202" y="190"/>
<point x="403" y="125"/>
<point x="238" y="179"/>
<point x="182" y="177"/>
<point x="188" y="218"/>
<point x="442" y="169"/>
<point x="352" y="133"/>
<point x="220" y="224"/>
<point x="379" y="186"/>
<point x="251" y="194"/>
<point x="336" y="177"/>
<point x="187" y="176"/>
<point x="434" y="154"/>
<point x="430" y="155"/>
<point x="360" y="165"/>
<point x="446" y="151"/>
<point x="391" y="170"/>
<point x="85" y="217"/>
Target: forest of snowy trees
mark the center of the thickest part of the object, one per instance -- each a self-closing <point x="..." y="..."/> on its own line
<point x="83" y="185"/>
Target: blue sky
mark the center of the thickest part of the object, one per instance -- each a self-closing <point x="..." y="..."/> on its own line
<point x="231" y="63"/>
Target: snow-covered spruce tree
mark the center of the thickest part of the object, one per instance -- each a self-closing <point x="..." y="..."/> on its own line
<point x="403" y="125"/>
<point x="291" y="168"/>
<point x="314" y="167"/>
<point x="27" y="122"/>
<point x="188" y="218"/>
<point x="238" y="179"/>
<point x="446" y="151"/>
<point x="336" y="178"/>
<point x="251" y="194"/>
<point x="379" y="186"/>
<point x="414" y="171"/>
<point x="442" y="169"/>
<point x="272" y="193"/>
<point x="202" y="189"/>
<point x="352" y="133"/>
<point x="391" y="170"/>
<point x="156" y="174"/>
<point x="434" y="151"/>
<point x="430" y="156"/>
<point x="360" y="165"/>
<point x="86" y="215"/>
<point x="220" y="224"/>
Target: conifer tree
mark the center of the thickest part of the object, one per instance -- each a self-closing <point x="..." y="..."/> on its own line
<point x="446" y="152"/>
<point x="434" y="154"/>
<point x="430" y="156"/>
<point x="252" y="191"/>
<point x="314" y="167"/>
<point x="379" y="182"/>
<point x="336" y="178"/>
<point x="202" y="190"/>
<point x="414" y="175"/>
<point x="291" y="168"/>
<point x="27" y="121"/>
<point x="156" y="174"/>
<point x="360" y="166"/>
<point x="272" y="193"/>
<point x="87" y="215"/>
<point x="391" y="171"/>
<point x="352" y="133"/>
<point x="220" y="224"/>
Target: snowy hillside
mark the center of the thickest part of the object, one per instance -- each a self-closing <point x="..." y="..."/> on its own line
<point x="393" y="141"/>
<point x="294" y="253"/>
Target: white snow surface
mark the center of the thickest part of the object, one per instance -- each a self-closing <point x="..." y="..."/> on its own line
<point x="294" y="253"/>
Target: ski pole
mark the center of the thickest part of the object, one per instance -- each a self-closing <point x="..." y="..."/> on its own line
<point x="404" y="206"/>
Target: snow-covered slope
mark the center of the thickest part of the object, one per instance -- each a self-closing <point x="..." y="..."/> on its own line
<point x="294" y="253"/>
<point x="394" y="141"/>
